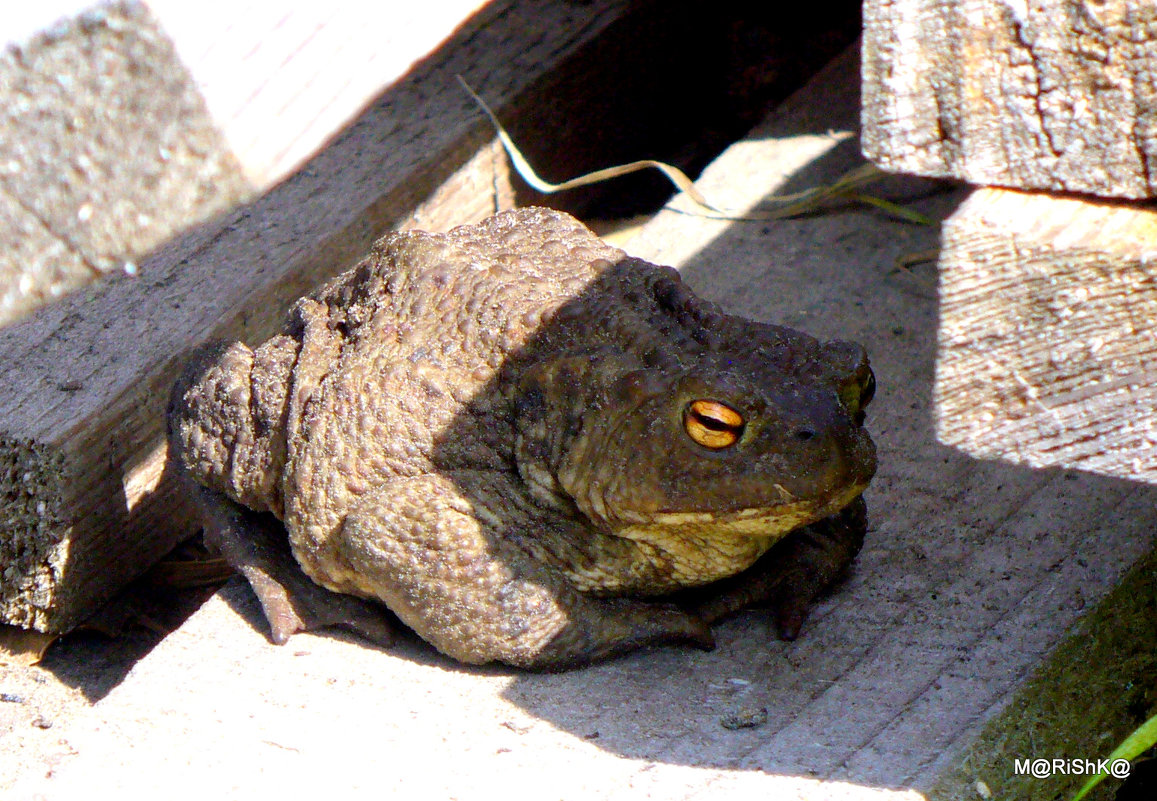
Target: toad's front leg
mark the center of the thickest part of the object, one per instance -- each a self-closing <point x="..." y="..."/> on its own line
<point x="442" y="551"/>
<point x="792" y="574"/>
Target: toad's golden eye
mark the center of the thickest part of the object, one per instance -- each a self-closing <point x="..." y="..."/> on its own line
<point x="712" y="424"/>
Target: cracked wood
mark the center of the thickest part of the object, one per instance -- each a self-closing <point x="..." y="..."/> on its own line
<point x="1057" y="95"/>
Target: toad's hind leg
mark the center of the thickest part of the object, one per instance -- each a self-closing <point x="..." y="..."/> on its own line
<point x="255" y="545"/>
<point x="444" y="553"/>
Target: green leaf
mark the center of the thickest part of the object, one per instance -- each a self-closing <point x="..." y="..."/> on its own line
<point x="1142" y="739"/>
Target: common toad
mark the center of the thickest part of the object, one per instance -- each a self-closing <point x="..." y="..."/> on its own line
<point x="522" y="441"/>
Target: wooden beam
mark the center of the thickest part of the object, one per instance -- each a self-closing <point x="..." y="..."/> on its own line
<point x="106" y="150"/>
<point x="1047" y="353"/>
<point x="122" y="124"/>
<point x="1053" y="95"/>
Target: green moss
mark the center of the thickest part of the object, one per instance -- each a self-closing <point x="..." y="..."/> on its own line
<point x="1097" y="687"/>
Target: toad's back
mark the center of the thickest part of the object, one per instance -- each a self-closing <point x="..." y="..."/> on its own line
<point x="374" y="366"/>
<point x="409" y="345"/>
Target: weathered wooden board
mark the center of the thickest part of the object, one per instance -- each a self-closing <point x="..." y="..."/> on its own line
<point x="1045" y="94"/>
<point x="1047" y="349"/>
<point x="106" y="149"/>
<point x="123" y="123"/>
<point x="86" y="504"/>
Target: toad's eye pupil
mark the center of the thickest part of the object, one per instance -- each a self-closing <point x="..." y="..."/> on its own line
<point x="712" y="424"/>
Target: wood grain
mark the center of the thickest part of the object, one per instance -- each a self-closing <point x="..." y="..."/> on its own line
<point x="1049" y="94"/>
<point x="1047" y="354"/>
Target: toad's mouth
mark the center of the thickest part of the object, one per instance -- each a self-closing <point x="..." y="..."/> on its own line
<point x="697" y="548"/>
<point x="760" y="523"/>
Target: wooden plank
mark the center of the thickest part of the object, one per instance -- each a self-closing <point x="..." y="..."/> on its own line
<point x="87" y="503"/>
<point x="1054" y="95"/>
<point x="106" y="149"/>
<point x="1047" y="354"/>
<point x="122" y="124"/>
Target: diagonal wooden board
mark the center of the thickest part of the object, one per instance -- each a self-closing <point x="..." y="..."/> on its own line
<point x="972" y="573"/>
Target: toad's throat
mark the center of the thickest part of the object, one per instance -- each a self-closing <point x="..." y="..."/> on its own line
<point x="688" y="549"/>
<point x="771" y="523"/>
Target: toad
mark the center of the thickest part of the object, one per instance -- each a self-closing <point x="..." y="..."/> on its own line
<point x="530" y="447"/>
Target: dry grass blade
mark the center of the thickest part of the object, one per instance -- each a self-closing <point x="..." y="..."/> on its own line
<point x="906" y="261"/>
<point x="799" y="203"/>
<point x="523" y="168"/>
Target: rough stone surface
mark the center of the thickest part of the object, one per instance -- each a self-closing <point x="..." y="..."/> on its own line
<point x="106" y="150"/>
